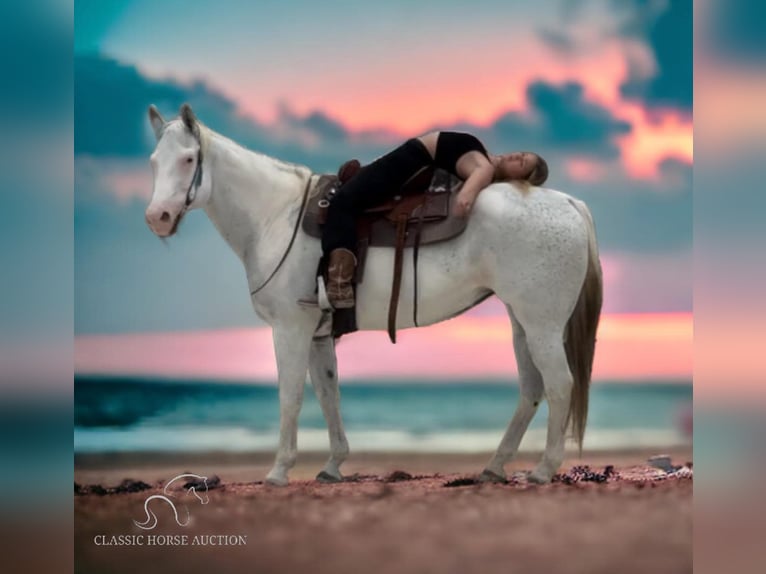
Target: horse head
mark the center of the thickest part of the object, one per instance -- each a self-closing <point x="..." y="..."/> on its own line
<point x="180" y="182"/>
<point x="201" y="495"/>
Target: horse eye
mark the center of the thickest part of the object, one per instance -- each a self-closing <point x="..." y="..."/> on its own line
<point x="189" y="160"/>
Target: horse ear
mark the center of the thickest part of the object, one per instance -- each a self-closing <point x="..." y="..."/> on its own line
<point x="188" y="117"/>
<point x="190" y="120"/>
<point x="157" y="121"/>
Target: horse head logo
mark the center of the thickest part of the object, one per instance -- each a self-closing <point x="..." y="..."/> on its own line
<point x="195" y="484"/>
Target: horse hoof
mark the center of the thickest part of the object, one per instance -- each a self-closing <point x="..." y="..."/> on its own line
<point x="276" y="481"/>
<point x="535" y="478"/>
<point x="490" y="476"/>
<point x="327" y="478"/>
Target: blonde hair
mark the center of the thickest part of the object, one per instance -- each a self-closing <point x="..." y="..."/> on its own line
<point x="522" y="185"/>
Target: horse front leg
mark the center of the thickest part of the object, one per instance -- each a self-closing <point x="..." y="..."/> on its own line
<point x="291" y="346"/>
<point x="323" y="369"/>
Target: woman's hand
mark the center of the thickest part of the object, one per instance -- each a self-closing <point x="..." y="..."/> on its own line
<point x="463" y="205"/>
<point x="479" y="178"/>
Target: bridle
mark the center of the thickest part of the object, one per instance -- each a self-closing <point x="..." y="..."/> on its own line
<point x="196" y="181"/>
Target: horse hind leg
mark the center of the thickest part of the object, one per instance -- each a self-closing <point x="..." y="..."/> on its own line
<point x="530" y="395"/>
<point x="323" y="370"/>
<point x="546" y="347"/>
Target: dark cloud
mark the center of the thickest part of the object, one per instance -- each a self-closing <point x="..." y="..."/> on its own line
<point x="111" y="118"/>
<point x="560" y="119"/>
<point x="667" y="29"/>
<point x="669" y="34"/>
<point x="734" y="30"/>
<point x="559" y="41"/>
<point x="111" y="100"/>
<point x="323" y="126"/>
<point x="673" y="167"/>
<point x="110" y="106"/>
<point x="321" y="142"/>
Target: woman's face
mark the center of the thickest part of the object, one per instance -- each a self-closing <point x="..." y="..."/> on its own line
<point x="517" y="165"/>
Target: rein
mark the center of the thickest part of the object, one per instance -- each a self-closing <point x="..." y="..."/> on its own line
<point x="292" y="239"/>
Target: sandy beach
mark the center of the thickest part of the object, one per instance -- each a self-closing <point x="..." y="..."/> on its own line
<point x="396" y="514"/>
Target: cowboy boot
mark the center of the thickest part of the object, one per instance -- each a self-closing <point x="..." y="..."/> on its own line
<point x="340" y="273"/>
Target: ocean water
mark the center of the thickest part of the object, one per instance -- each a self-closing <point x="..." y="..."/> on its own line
<point x="118" y="415"/>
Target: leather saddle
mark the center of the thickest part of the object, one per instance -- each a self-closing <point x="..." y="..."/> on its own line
<point x="419" y="214"/>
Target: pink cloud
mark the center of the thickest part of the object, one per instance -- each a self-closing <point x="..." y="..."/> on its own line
<point x="130" y="183"/>
<point x="585" y="170"/>
<point x="653" y="138"/>
<point x="125" y="180"/>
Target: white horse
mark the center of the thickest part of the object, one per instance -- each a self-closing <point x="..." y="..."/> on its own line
<point x="535" y="249"/>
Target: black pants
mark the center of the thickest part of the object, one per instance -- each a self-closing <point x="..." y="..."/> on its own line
<point x="373" y="185"/>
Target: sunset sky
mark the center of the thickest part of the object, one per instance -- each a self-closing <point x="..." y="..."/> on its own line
<point x="601" y="88"/>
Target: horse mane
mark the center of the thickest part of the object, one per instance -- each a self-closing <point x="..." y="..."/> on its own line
<point x="206" y="134"/>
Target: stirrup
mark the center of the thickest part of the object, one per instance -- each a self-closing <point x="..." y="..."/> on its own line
<point x="320" y="301"/>
<point x="345" y="303"/>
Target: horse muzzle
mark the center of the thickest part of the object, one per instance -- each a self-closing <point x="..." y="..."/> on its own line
<point x="162" y="220"/>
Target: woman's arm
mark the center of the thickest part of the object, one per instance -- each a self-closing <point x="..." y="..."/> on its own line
<point x="480" y="177"/>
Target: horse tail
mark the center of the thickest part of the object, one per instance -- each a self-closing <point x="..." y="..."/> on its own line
<point x="580" y="334"/>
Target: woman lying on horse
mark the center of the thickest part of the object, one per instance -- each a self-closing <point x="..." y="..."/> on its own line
<point x="458" y="153"/>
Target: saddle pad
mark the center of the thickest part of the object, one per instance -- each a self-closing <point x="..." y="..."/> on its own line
<point x="439" y="224"/>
